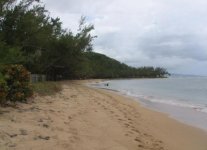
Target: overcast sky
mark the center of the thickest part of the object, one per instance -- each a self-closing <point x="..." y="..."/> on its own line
<point x="166" y="33"/>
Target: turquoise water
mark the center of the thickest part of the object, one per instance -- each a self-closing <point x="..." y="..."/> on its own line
<point x="183" y="98"/>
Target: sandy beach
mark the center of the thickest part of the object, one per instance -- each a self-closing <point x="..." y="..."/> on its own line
<point x="83" y="118"/>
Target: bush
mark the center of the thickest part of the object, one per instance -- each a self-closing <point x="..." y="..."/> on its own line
<point x="17" y="80"/>
<point x="3" y="90"/>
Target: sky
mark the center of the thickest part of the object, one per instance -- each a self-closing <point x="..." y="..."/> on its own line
<point x="165" y="33"/>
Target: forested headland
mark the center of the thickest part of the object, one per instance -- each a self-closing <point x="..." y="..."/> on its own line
<point x="97" y="65"/>
<point x="31" y="37"/>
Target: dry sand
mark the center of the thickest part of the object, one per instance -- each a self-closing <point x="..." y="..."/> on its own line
<point x="82" y="118"/>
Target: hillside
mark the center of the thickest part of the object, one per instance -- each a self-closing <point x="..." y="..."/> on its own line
<point x="95" y="65"/>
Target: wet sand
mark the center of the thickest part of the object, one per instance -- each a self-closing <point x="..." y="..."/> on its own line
<point x="83" y="118"/>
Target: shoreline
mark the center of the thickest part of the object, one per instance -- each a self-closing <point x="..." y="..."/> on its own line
<point x="186" y="115"/>
<point x="84" y="118"/>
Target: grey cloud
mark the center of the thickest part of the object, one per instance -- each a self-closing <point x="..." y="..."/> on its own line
<point x="168" y="33"/>
<point x="183" y="46"/>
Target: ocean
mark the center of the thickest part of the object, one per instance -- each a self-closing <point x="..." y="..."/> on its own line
<point x="182" y="98"/>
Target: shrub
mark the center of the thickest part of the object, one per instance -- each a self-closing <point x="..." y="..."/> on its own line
<point x="18" y="82"/>
<point x="3" y="90"/>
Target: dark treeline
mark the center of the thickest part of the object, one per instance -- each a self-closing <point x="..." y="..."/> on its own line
<point x="29" y="36"/>
<point x="97" y="65"/>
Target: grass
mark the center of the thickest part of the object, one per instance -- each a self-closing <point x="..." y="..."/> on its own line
<point x="46" y="88"/>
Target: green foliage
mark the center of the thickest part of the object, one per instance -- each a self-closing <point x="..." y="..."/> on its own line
<point x="16" y="78"/>
<point x="10" y="55"/>
<point x="41" y="40"/>
<point x="96" y="65"/>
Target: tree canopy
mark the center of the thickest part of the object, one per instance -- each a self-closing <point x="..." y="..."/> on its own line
<point x="97" y="65"/>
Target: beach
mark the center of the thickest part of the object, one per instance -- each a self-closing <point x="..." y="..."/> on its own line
<point x="84" y="118"/>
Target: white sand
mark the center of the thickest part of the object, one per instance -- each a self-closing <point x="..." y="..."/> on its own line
<point x="81" y="118"/>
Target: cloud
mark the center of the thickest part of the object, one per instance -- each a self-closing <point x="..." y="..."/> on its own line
<point x="171" y="34"/>
<point x="183" y="46"/>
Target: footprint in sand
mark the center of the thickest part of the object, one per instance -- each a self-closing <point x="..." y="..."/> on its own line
<point x="129" y="119"/>
<point x="13" y="135"/>
<point x="42" y="137"/>
<point x="51" y="110"/>
<point x="135" y="130"/>
<point x="127" y="125"/>
<point x="140" y="146"/>
<point x="120" y="119"/>
<point x="40" y="120"/>
<point x="45" y="125"/>
<point x="67" y="123"/>
<point x="73" y="96"/>
<point x="137" y="140"/>
<point x="23" y="132"/>
<point x="12" y="145"/>
<point x="112" y="112"/>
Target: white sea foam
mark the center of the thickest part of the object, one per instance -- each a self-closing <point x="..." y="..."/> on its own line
<point x="174" y="102"/>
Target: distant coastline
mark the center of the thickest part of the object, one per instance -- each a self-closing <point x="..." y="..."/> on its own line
<point x="185" y="75"/>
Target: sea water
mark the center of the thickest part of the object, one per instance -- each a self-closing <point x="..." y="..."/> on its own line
<point x="183" y="98"/>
